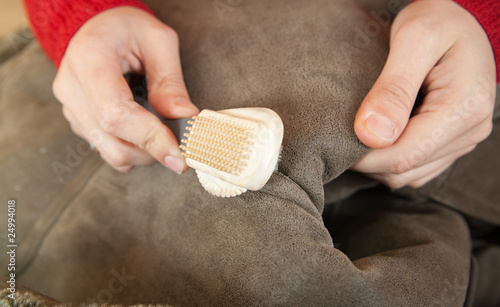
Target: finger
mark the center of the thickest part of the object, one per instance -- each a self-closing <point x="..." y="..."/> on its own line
<point x="416" y="177"/>
<point x="385" y="111"/>
<point x="457" y="142"/>
<point x="119" y="154"/>
<point x="418" y="183"/>
<point x="442" y="127"/>
<point x="114" y="151"/>
<point x="167" y="91"/>
<point x="117" y="114"/>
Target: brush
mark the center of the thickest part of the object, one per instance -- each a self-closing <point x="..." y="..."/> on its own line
<point x="233" y="150"/>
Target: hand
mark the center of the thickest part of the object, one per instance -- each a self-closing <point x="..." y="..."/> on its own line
<point x="437" y="46"/>
<point x="98" y="102"/>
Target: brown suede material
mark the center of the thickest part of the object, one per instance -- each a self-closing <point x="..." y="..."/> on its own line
<point x="292" y="58"/>
<point x="151" y="236"/>
<point x="43" y="162"/>
<point x="488" y="288"/>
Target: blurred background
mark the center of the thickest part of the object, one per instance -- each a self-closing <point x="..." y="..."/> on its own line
<point x="11" y="16"/>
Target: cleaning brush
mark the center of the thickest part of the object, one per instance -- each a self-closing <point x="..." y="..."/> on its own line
<point x="233" y="150"/>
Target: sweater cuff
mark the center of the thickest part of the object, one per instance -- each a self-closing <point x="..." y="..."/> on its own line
<point x="487" y="13"/>
<point x="55" y="22"/>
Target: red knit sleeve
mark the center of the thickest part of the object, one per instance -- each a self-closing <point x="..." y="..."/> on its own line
<point x="55" y="22"/>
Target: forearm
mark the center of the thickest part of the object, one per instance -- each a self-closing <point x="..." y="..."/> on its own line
<point x="55" y="22"/>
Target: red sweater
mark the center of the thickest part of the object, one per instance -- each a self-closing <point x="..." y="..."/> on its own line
<point x="55" y="22"/>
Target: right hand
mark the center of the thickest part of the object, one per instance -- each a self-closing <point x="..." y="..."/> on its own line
<point x="439" y="49"/>
<point x="98" y="102"/>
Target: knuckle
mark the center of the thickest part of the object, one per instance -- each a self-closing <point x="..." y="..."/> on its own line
<point x="108" y="121"/>
<point x="404" y="165"/>
<point x="118" y="158"/>
<point x="171" y="80"/>
<point x="468" y="150"/>
<point x="481" y="109"/>
<point x="395" y="181"/>
<point x="148" y="144"/>
<point x="164" y="34"/>
<point x="150" y="137"/>
<point x="170" y="34"/>
<point x="396" y="93"/>
<point x="417" y="184"/>
<point x="110" y="115"/>
<point x="484" y="130"/>
<point x="170" y="83"/>
<point x="488" y="129"/>
<point x="487" y="111"/>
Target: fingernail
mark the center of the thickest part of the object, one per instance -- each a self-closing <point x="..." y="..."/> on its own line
<point x="174" y="164"/>
<point x="381" y="126"/>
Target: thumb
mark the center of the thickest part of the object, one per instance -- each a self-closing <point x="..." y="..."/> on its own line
<point x="386" y="109"/>
<point x="167" y="92"/>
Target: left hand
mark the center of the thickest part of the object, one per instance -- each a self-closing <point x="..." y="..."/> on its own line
<point x="440" y="48"/>
<point x="97" y="101"/>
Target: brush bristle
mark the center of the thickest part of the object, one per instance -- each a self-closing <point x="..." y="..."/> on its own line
<point x="233" y="150"/>
<point x="219" y="143"/>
